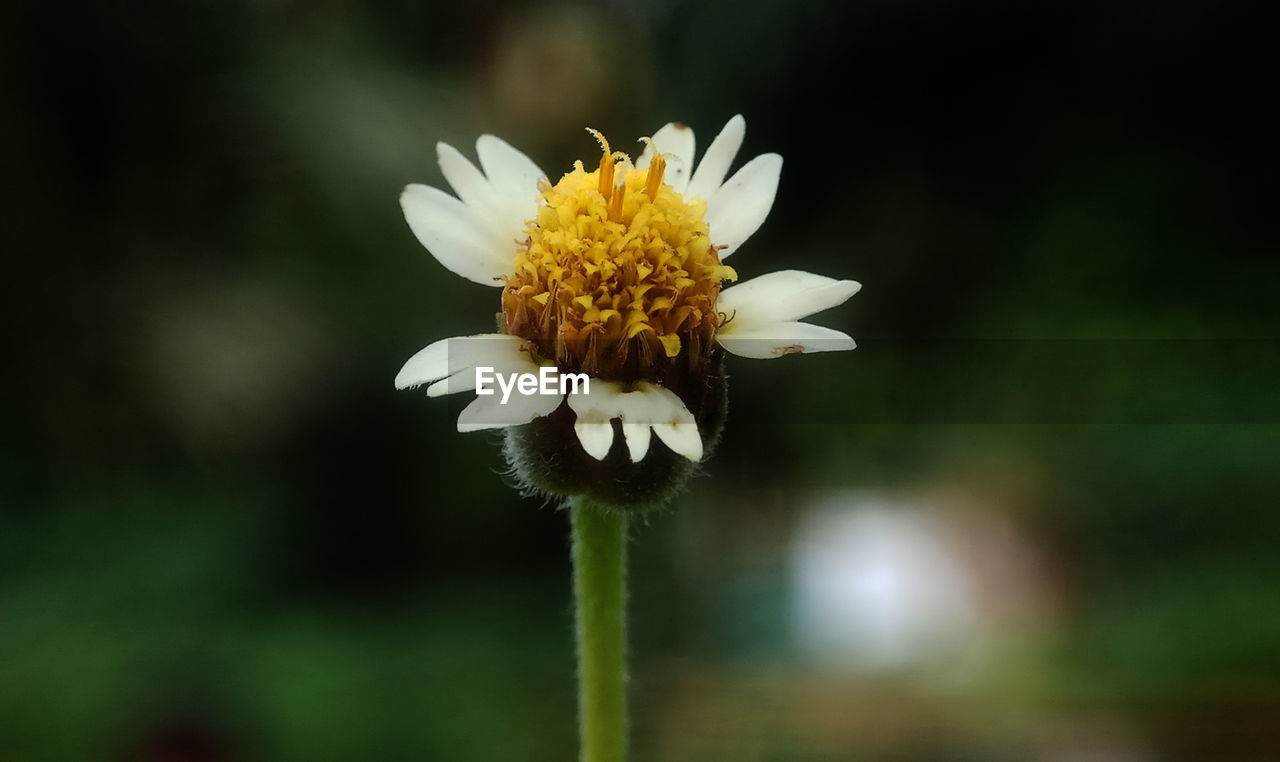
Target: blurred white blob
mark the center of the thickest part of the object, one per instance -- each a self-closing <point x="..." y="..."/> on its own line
<point x="878" y="585"/>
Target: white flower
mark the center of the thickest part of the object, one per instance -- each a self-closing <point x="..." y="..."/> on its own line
<point x="615" y="273"/>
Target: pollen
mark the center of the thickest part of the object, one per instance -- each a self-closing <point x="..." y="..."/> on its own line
<point x="617" y="273"/>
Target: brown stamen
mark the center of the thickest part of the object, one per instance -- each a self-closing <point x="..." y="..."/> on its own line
<point x="607" y="163"/>
<point x="657" y="166"/>
<point x="653" y="181"/>
<point x="615" y="203"/>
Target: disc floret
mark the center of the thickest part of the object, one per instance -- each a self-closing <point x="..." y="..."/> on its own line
<point x="617" y="275"/>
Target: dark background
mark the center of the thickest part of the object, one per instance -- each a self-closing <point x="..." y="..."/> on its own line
<point x="1033" y="517"/>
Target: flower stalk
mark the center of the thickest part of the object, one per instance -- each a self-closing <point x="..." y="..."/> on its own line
<point x="599" y="587"/>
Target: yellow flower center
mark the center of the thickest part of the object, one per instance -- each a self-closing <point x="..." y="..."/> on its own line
<point x="617" y="271"/>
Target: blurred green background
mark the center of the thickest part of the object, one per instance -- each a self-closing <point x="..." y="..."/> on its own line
<point x="1032" y="517"/>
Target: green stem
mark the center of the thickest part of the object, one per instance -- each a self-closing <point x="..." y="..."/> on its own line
<point x="599" y="587"/>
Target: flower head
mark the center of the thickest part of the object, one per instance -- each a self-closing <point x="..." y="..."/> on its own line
<point x="615" y="273"/>
<point x="618" y="272"/>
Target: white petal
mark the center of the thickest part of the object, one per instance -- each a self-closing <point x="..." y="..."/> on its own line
<point x="596" y="437"/>
<point x="513" y="175"/>
<point x="738" y="209"/>
<point x="646" y="409"/>
<point x="502" y="214"/>
<point x="497" y="351"/>
<point x="671" y="420"/>
<point x="675" y="139"/>
<point x="775" y="340"/>
<point x="601" y="403"/>
<point x="505" y="354"/>
<point x="682" y="438"/>
<point x="466" y="180"/>
<point x="593" y="412"/>
<point x="450" y="231"/>
<point x="637" y="436"/>
<point x="447" y="357"/>
<point x="488" y="412"/>
<point x="780" y="297"/>
<point x="455" y="360"/>
<point x="714" y="166"/>
<point x="464" y="380"/>
<point x="427" y="365"/>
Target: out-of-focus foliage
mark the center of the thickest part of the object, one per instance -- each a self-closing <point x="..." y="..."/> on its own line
<point x="1032" y="517"/>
